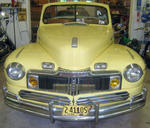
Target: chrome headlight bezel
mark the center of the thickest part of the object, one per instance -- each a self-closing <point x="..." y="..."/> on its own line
<point x="15" y="71"/>
<point x="133" y="73"/>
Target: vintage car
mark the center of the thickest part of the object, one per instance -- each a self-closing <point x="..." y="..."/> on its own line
<point x="75" y="71"/>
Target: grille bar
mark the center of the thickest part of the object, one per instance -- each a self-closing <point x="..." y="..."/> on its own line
<point x="45" y="98"/>
<point x="103" y="98"/>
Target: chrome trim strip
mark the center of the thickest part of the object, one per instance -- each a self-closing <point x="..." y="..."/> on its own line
<point x="98" y="99"/>
<point x="18" y="54"/>
<point x="108" y="95"/>
<point x="130" y="54"/>
<point x="68" y="73"/>
<point x="112" y="110"/>
<point x="45" y="98"/>
<point x="75" y="42"/>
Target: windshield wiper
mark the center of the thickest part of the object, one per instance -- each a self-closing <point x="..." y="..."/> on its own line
<point x="75" y="23"/>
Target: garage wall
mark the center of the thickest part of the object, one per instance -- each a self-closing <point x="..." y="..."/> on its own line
<point x="23" y="29"/>
<point x="4" y="1"/>
<point x="134" y="24"/>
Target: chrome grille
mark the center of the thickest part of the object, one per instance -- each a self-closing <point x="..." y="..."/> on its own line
<point x="45" y="98"/>
<point x="74" y="82"/>
<point x="106" y="98"/>
<point x="60" y="84"/>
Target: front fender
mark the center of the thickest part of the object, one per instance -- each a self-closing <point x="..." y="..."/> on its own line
<point x="118" y="57"/>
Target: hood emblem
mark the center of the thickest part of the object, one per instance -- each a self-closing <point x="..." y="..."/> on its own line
<point x="74" y="42"/>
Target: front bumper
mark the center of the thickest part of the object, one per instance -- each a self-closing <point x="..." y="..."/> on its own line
<point x="54" y="113"/>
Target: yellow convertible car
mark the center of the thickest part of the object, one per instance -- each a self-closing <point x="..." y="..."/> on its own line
<point x="75" y="71"/>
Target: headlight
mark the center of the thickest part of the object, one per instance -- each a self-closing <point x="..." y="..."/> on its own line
<point x="133" y="73"/>
<point x="15" y="71"/>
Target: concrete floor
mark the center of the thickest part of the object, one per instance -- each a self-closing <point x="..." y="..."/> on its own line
<point x="10" y="118"/>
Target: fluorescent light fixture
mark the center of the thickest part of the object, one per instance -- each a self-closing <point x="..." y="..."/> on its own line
<point x="3" y="14"/>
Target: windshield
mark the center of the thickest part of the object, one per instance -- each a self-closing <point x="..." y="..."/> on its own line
<point x="88" y="14"/>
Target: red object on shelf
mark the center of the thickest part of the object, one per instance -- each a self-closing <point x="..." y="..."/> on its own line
<point x="12" y="3"/>
<point x="138" y="16"/>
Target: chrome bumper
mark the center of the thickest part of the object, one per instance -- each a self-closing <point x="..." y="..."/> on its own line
<point x="53" y="113"/>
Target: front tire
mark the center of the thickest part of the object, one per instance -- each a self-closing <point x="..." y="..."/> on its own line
<point x="147" y="55"/>
<point x="4" y="49"/>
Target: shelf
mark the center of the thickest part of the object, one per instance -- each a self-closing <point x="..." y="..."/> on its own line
<point x="11" y="7"/>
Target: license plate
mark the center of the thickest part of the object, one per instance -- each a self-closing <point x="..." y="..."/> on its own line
<point x="76" y="110"/>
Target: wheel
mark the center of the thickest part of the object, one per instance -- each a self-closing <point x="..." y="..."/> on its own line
<point x="148" y="49"/>
<point x="147" y="55"/>
<point x="4" y="49"/>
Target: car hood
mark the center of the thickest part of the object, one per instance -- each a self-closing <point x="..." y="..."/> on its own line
<point x="91" y="41"/>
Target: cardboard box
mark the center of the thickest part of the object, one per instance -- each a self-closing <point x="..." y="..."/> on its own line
<point x="22" y="15"/>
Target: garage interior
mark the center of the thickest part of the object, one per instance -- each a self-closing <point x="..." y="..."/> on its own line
<point x="131" y="28"/>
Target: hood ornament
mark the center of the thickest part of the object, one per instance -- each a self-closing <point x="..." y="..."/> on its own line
<point x="74" y="42"/>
